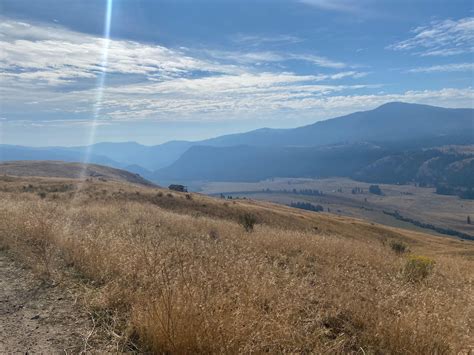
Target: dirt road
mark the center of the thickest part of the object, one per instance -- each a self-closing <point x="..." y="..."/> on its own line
<point x="37" y="317"/>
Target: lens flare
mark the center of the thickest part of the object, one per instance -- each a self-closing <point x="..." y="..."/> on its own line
<point x="98" y="105"/>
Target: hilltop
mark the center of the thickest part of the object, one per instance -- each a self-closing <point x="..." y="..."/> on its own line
<point x="60" y="169"/>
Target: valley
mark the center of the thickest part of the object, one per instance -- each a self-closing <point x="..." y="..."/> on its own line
<point x="418" y="203"/>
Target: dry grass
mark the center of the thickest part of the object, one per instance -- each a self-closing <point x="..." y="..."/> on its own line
<point x="181" y="275"/>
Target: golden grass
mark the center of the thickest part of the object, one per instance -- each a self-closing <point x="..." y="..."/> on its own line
<point x="181" y="275"/>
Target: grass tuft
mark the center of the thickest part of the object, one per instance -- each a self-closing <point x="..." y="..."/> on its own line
<point x="418" y="267"/>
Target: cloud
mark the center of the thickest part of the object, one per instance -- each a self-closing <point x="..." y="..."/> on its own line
<point x="335" y="5"/>
<point x="52" y="71"/>
<point x="207" y="98"/>
<point x="306" y="102"/>
<point x="258" y="57"/>
<point x="455" y="67"/>
<point x="440" y="38"/>
<point x="54" y="56"/>
<point x="258" y="40"/>
<point x="48" y="74"/>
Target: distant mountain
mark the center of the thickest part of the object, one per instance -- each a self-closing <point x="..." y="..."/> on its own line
<point x="397" y="125"/>
<point x="60" y="169"/>
<point x="133" y="154"/>
<point x="450" y="171"/>
<point x="370" y="144"/>
<point x="16" y="152"/>
<point x="394" y="128"/>
<point x="250" y="163"/>
<point x="392" y="122"/>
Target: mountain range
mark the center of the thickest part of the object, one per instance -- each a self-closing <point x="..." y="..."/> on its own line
<point x="396" y="141"/>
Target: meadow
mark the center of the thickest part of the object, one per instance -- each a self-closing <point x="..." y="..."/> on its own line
<point x="170" y="272"/>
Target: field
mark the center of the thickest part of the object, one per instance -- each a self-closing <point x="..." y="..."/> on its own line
<point x="418" y="203"/>
<point x="171" y="272"/>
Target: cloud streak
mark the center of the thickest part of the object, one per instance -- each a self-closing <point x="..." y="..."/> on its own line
<point x="54" y="56"/>
<point x="440" y="38"/>
<point x="48" y="77"/>
<point x="148" y="81"/>
<point x="336" y="5"/>
<point x="454" y="67"/>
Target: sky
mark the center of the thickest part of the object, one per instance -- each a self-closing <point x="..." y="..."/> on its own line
<point x="76" y="72"/>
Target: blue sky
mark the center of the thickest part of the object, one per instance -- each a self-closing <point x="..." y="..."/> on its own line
<point x="193" y="69"/>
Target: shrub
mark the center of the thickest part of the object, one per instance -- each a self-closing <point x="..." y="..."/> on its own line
<point x="307" y="206"/>
<point x="398" y="247"/>
<point x="248" y="221"/>
<point x="42" y="194"/>
<point x="375" y="189"/>
<point x="214" y="234"/>
<point x="418" y="267"/>
<point x="189" y="197"/>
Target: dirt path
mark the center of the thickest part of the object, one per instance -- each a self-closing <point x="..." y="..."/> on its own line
<point x="36" y="317"/>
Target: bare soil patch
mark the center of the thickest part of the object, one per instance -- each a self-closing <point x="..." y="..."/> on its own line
<point x="37" y="316"/>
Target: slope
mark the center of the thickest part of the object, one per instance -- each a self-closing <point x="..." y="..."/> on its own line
<point x="59" y="169"/>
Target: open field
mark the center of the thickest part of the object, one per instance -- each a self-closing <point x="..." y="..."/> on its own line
<point x="418" y="203"/>
<point x="173" y="272"/>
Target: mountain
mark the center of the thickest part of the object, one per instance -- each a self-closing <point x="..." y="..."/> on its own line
<point x="139" y="156"/>
<point x="392" y="122"/>
<point x="16" y="152"/>
<point x="388" y="144"/>
<point x="450" y="171"/>
<point x="60" y="169"/>
<point x="250" y="163"/>
<point x="394" y="127"/>
<point x="447" y="168"/>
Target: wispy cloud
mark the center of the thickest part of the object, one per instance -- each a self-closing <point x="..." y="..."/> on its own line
<point x="201" y="98"/>
<point x="336" y="5"/>
<point x="258" y="40"/>
<point x="454" y="67"/>
<point x="259" y="57"/>
<point x="149" y="81"/>
<point x="47" y="73"/>
<point x="440" y="38"/>
<point x="233" y="101"/>
<point x="54" y="56"/>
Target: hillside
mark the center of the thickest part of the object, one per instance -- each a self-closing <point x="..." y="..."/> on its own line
<point x="410" y="124"/>
<point x="162" y="271"/>
<point x="59" y="169"/>
<point x="450" y="170"/>
<point x="251" y="163"/>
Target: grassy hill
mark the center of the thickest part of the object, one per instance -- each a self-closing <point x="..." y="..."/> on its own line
<point x="60" y="169"/>
<point x="173" y="272"/>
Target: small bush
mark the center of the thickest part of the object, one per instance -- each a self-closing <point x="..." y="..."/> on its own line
<point x="375" y="189"/>
<point x="42" y="194"/>
<point x="248" y="221"/>
<point x="214" y="234"/>
<point x="189" y="197"/>
<point x="418" y="268"/>
<point x="398" y="247"/>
